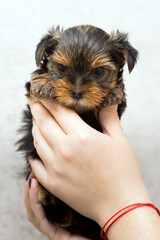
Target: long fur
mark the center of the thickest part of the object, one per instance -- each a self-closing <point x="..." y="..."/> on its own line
<point x="80" y="50"/>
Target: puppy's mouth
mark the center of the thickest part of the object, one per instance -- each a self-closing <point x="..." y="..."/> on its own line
<point x="79" y="105"/>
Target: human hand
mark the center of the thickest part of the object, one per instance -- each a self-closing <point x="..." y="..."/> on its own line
<point x="37" y="216"/>
<point x="94" y="173"/>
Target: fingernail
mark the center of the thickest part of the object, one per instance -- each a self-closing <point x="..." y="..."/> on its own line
<point x="30" y="179"/>
<point x="28" y="173"/>
<point x="29" y="182"/>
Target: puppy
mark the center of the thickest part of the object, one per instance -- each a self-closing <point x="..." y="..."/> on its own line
<point x="80" y="68"/>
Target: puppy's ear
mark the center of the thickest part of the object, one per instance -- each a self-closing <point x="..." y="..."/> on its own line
<point x="47" y="44"/>
<point x="121" y="44"/>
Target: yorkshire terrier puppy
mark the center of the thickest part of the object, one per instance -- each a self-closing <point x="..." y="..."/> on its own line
<point x="80" y="68"/>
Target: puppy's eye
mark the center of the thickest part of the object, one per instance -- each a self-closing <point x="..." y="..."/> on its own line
<point x="99" y="71"/>
<point x="62" y="68"/>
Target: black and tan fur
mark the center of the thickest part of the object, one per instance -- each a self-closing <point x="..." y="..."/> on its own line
<point x="80" y="68"/>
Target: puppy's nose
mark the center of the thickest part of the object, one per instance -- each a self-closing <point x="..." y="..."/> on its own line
<point x="77" y="93"/>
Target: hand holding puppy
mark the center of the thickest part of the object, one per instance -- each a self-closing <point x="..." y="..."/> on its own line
<point x="94" y="173"/>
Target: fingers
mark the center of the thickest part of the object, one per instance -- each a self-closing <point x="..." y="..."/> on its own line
<point x="43" y="149"/>
<point x="66" y="118"/>
<point x="110" y="121"/>
<point x="47" y="124"/>
<point x="35" y="210"/>
<point x="39" y="170"/>
<point x="37" y="217"/>
<point x="35" y="205"/>
<point x="30" y="213"/>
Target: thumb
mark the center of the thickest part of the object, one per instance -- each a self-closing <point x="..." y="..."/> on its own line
<point x="109" y="121"/>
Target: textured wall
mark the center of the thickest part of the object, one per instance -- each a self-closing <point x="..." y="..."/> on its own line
<point x="22" y="23"/>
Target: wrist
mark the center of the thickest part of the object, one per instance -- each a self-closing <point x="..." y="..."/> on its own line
<point x="120" y="199"/>
<point x="136" y="221"/>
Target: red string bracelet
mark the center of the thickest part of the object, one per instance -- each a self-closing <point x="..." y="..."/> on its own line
<point x="129" y="208"/>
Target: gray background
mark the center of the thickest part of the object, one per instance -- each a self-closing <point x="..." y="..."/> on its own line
<point x="22" y="24"/>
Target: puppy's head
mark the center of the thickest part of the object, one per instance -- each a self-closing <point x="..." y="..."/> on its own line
<point x="84" y="64"/>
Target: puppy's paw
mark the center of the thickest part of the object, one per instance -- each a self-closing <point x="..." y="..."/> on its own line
<point x="42" y="87"/>
<point x="116" y="96"/>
